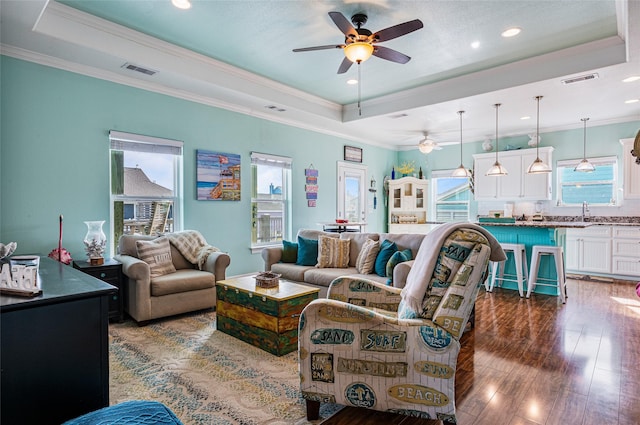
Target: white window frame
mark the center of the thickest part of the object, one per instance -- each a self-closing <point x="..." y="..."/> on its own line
<point x="598" y="161"/>
<point x="258" y="158"/>
<point x="438" y="174"/>
<point x="153" y="145"/>
<point x="345" y="170"/>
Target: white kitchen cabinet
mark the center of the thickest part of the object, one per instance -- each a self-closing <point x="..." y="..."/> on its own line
<point x="517" y="184"/>
<point x="589" y="249"/>
<point x="625" y="250"/>
<point x="631" y="171"/>
<point x="408" y="205"/>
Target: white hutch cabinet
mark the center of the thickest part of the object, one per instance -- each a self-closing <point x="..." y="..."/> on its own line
<point x="408" y="205"/>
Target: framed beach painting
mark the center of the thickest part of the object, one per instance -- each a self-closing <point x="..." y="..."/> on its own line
<point x="217" y="176"/>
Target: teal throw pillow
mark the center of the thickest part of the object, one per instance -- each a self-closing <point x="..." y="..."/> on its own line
<point x="307" y="252"/>
<point x="289" y="252"/>
<point x="387" y="248"/>
<point x="397" y="258"/>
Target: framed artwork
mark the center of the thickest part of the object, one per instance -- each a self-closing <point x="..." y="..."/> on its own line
<point x="217" y="176"/>
<point x="353" y="154"/>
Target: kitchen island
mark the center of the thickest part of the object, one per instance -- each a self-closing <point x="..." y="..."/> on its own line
<point x="530" y="233"/>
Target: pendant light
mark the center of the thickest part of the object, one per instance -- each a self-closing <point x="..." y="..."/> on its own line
<point x="460" y="171"/>
<point x="584" y="166"/>
<point x="497" y="169"/>
<point x="538" y="166"/>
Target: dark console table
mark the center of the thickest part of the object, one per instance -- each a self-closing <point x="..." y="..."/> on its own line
<point x="55" y="348"/>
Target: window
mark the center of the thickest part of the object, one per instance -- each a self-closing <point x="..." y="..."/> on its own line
<point x="352" y="192"/>
<point x="450" y="196"/>
<point x="146" y="184"/>
<point x="596" y="188"/>
<point x="270" y="199"/>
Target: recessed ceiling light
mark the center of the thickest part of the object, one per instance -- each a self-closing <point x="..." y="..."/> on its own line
<point x="631" y="79"/>
<point x="181" y="4"/>
<point x="352" y="81"/>
<point x="632" y="101"/>
<point x="510" y="32"/>
<point x="525" y="117"/>
<point x="475" y="44"/>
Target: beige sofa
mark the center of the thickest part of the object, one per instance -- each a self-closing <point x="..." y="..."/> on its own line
<point x="322" y="277"/>
<point x="187" y="289"/>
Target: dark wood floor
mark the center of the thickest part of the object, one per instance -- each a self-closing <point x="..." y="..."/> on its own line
<point x="538" y="361"/>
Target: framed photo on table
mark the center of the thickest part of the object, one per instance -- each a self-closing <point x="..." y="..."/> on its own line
<point x="353" y="154"/>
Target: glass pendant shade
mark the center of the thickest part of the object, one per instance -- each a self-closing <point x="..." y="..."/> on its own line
<point x="497" y="169"/>
<point x="538" y="166"/>
<point x="584" y="166"/>
<point x="460" y="171"/>
<point x="358" y="51"/>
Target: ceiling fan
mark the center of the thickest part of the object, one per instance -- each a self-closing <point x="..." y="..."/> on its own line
<point x="360" y="43"/>
<point x="426" y="145"/>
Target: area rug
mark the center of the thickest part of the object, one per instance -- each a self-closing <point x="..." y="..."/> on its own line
<point x="203" y="375"/>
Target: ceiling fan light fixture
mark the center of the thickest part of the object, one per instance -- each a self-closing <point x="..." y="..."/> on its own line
<point x="358" y="51"/>
<point x="426" y="146"/>
<point x="181" y="4"/>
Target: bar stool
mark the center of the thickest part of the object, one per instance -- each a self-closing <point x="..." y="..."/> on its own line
<point x="520" y="260"/>
<point x="558" y="256"/>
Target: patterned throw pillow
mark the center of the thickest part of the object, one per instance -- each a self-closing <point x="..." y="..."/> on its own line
<point x="333" y="252"/>
<point x="289" y="252"/>
<point x="367" y="256"/>
<point x="157" y="254"/>
<point x="387" y="248"/>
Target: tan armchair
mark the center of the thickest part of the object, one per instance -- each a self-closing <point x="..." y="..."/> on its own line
<point x="372" y="346"/>
<point x="188" y="288"/>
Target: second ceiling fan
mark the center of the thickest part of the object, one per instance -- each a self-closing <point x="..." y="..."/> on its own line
<point x="360" y="43"/>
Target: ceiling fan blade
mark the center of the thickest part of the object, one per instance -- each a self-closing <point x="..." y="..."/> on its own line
<point x="396" y="31"/>
<point x="344" y="66"/>
<point x="390" y="54"/>
<point x="328" y="46"/>
<point x="343" y="24"/>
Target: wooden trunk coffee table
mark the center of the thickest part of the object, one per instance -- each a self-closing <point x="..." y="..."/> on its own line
<point x="264" y="317"/>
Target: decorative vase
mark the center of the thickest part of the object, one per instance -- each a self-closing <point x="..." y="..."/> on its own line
<point x="95" y="242"/>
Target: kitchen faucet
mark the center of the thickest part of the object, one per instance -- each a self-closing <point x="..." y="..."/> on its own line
<point x="585" y="211"/>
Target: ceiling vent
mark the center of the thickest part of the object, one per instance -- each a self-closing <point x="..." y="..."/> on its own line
<point x="401" y="115"/>
<point x="136" y="68"/>
<point x="275" y="108"/>
<point x="580" y="78"/>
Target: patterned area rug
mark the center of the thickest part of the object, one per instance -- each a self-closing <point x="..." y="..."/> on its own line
<point x="205" y="376"/>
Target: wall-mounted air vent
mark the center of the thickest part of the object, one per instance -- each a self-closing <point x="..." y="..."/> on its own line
<point x="136" y="68"/>
<point x="586" y="77"/>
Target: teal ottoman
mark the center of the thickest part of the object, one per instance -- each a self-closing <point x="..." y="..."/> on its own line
<point x="137" y="412"/>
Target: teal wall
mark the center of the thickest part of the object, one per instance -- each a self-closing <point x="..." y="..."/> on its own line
<point x="54" y="159"/>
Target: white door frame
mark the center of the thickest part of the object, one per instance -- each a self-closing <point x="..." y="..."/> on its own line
<point x="345" y="169"/>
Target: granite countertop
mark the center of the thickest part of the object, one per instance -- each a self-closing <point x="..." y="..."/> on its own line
<point x="572" y="222"/>
<point x="544" y="224"/>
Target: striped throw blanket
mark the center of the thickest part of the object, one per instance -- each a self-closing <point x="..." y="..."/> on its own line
<point x="192" y="246"/>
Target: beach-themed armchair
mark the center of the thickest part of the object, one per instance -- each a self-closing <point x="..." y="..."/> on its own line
<point x="378" y="347"/>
